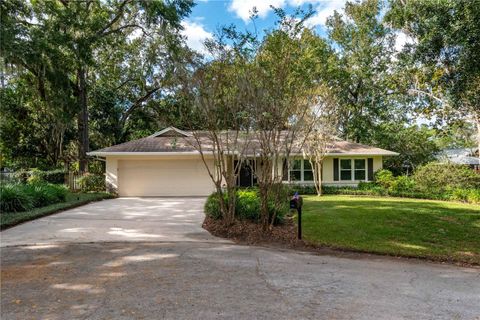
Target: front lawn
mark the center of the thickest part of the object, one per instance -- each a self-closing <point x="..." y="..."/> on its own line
<point x="10" y="219"/>
<point x="437" y="230"/>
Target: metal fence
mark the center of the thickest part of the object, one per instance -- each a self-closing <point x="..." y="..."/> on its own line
<point x="72" y="180"/>
<point x="8" y="177"/>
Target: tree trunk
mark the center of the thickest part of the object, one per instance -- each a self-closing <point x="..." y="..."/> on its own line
<point x="477" y="123"/>
<point x="82" y="121"/>
<point x="264" y="212"/>
<point x="319" y="168"/>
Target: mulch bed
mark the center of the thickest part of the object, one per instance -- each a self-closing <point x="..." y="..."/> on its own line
<point x="248" y="232"/>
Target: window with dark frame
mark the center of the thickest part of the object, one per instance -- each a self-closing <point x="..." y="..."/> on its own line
<point x="360" y="169"/>
<point x="307" y="171"/>
<point x="300" y="170"/>
<point x="353" y="169"/>
<point x="296" y="170"/>
<point x="345" y="169"/>
<point x="349" y="170"/>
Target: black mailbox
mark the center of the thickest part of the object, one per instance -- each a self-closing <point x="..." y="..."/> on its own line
<point x="296" y="203"/>
<point x="293" y="204"/>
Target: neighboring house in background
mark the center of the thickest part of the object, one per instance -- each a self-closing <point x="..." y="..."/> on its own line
<point x="167" y="164"/>
<point x="465" y="156"/>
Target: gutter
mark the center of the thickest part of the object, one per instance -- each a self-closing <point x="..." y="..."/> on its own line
<point x="104" y="154"/>
<point x="192" y="153"/>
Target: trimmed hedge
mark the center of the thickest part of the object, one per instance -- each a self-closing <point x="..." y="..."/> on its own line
<point x="22" y="197"/>
<point x="462" y="187"/>
<point x="247" y="206"/>
<point x="56" y="176"/>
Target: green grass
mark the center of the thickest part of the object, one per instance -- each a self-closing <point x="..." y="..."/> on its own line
<point x="10" y="219"/>
<point x="437" y="230"/>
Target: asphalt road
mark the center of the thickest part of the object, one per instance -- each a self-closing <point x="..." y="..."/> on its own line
<point x="150" y="259"/>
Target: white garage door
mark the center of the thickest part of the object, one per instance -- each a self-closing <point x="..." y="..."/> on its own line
<point x="155" y="178"/>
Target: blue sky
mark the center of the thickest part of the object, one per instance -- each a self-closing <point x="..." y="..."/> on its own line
<point x="208" y="15"/>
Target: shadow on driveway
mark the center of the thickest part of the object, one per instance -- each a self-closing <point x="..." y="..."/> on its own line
<point x="206" y="280"/>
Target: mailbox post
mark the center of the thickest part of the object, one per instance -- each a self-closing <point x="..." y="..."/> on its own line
<point x="296" y="203"/>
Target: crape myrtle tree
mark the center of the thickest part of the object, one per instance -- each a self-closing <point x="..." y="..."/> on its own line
<point x="59" y="42"/>
<point x="443" y="57"/>
<point x="216" y="88"/>
<point x="255" y="99"/>
<point x="284" y="88"/>
<point x="319" y="134"/>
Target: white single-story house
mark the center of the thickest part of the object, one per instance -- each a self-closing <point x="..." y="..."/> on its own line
<point x="167" y="164"/>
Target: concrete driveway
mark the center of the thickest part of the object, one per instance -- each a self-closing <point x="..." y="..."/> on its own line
<point x="149" y="258"/>
<point x="121" y="219"/>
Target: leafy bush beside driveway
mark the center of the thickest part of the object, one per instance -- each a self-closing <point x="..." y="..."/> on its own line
<point x="247" y="206"/>
<point x="22" y="197"/>
<point x="10" y="219"/>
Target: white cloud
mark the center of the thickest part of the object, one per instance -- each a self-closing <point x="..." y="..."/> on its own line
<point x="243" y="8"/>
<point x="324" y="10"/>
<point x="401" y="40"/>
<point x="196" y="35"/>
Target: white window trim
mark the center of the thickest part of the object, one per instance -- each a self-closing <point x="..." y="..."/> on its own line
<point x="302" y="171"/>
<point x="352" y="169"/>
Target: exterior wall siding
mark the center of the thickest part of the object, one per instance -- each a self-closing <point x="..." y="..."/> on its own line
<point x="111" y="175"/>
<point x="112" y="168"/>
<point x="327" y="171"/>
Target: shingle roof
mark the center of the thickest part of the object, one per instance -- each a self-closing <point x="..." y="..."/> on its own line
<point x="169" y="143"/>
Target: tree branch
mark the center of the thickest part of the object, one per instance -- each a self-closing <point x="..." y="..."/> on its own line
<point x="115" y="19"/>
<point x="125" y="27"/>
<point x="137" y="102"/>
<point x="431" y="95"/>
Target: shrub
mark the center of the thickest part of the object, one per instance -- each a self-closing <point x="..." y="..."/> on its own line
<point x="402" y="184"/>
<point x="92" y="182"/>
<point x="35" y="179"/>
<point x="21" y="197"/>
<point x="445" y="176"/>
<point x="279" y="204"/>
<point x="362" y="185"/>
<point x="56" y="176"/>
<point x="21" y="176"/>
<point x="301" y="189"/>
<point x="474" y="196"/>
<point x="13" y="197"/>
<point x="46" y="193"/>
<point x="384" y="178"/>
<point x="458" y="194"/>
<point x="212" y="206"/>
<point x="247" y="206"/>
<point x="41" y="194"/>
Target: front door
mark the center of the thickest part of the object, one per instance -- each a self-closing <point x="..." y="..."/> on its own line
<point x="246" y="176"/>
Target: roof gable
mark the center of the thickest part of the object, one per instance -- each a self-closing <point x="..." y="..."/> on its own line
<point x="171" y="132"/>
